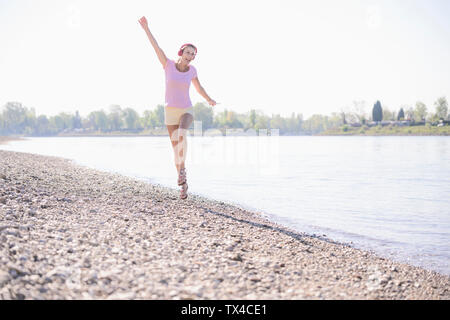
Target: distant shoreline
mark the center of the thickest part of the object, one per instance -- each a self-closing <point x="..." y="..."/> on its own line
<point x="388" y="131"/>
<point x="343" y="131"/>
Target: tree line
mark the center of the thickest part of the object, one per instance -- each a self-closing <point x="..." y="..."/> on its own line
<point x="417" y="114"/>
<point x="16" y="119"/>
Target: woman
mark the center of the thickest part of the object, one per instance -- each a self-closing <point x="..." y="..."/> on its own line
<point x="178" y="110"/>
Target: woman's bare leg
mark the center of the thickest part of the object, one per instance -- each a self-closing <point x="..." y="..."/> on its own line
<point x="173" y="135"/>
<point x="185" y="122"/>
<point x="178" y="136"/>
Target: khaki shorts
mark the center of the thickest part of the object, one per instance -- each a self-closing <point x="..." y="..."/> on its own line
<point x="172" y="115"/>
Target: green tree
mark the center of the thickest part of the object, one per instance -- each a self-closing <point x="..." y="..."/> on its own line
<point x="148" y="121"/>
<point x="359" y="110"/>
<point x="387" y="114"/>
<point x="57" y="122"/>
<point x="232" y="120"/>
<point x="101" y="118"/>
<point x="68" y="120"/>
<point x="30" y="122"/>
<point x="159" y="114"/>
<point x="204" y="114"/>
<point x="115" y="118"/>
<point x="409" y="113"/>
<point x="43" y="126"/>
<point x="401" y="115"/>
<point x="420" y="112"/>
<point x="262" y="121"/>
<point x="2" y="125"/>
<point x="315" y="124"/>
<point x="277" y="122"/>
<point x="252" y="118"/>
<point x="377" y="112"/>
<point x="77" y="120"/>
<point x="14" y="117"/>
<point x="349" y="113"/>
<point x="86" y="123"/>
<point x="92" y="123"/>
<point x="294" y="123"/>
<point x="131" y="118"/>
<point x="98" y="120"/>
<point x="441" y="105"/>
<point x="241" y="119"/>
<point x="220" y="119"/>
<point x="335" y="120"/>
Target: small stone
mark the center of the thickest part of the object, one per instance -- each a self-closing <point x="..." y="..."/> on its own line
<point x="20" y="296"/>
<point x="34" y="278"/>
<point x="4" y="277"/>
<point x="182" y="268"/>
<point x="45" y="205"/>
<point x="173" y="293"/>
<point x="86" y="263"/>
<point x="15" y="272"/>
<point x="237" y="257"/>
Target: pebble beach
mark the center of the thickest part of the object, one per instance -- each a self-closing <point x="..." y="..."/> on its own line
<point x="72" y="232"/>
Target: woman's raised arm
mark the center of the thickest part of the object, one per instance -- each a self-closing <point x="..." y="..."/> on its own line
<point x="161" y="56"/>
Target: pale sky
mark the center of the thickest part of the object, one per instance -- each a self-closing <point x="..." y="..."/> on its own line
<point x="278" y="56"/>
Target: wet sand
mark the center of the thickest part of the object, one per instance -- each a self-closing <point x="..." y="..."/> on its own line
<point x="71" y="232"/>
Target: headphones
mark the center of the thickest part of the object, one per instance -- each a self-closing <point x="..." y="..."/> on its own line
<point x="180" y="52"/>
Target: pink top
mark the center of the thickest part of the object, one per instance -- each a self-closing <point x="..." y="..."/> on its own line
<point x="178" y="84"/>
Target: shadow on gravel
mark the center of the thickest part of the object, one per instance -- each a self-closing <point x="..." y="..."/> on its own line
<point x="297" y="236"/>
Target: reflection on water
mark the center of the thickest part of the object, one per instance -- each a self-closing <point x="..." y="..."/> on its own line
<point x="387" y="194"/>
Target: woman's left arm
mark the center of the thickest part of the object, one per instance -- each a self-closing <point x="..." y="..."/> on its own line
<point x="202" y="91"/>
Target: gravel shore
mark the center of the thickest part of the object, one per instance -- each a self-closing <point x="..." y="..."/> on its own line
<point x="6" y="139"/>
<point x="71" y="232"/>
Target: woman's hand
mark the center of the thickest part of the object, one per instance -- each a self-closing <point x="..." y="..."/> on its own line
<point x="144" y="23"/>
<point x="211" y="102"/>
